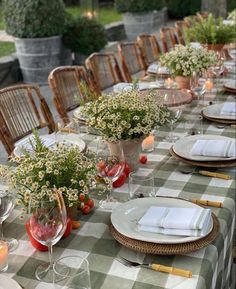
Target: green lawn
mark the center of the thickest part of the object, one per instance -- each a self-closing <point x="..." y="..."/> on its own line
<point x="106" y="15"/>
<point x="6" y="48"/>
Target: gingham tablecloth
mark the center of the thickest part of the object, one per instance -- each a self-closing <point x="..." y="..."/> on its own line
<point x="211" y="266"/>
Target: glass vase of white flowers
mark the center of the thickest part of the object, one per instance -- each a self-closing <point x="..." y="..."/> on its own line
<point x="185" y="61"/>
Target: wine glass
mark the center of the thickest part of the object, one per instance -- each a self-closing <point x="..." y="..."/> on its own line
<point x="110" y="165"/>
<point x="7" y="202"/>
<point x="175" y="113"/>
<point x="47" y="225"/>
<point x="197" y="88"/>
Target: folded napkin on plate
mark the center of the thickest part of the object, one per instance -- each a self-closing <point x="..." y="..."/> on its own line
<point x="176" y="221"/>
<point x="229" y="108"/>
<point x="214" y="148"/>
<point x="156" y="68"/>
<point x="124" y="86"/>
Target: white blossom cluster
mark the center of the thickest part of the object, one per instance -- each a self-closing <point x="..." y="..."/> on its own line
<point x="125" y="115"/>
<point x="40" y="175"/>
<point x="186" y="60"/>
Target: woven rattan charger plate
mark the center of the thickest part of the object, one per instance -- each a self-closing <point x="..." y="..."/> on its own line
<point x="208" y="164"/>
<point x="167" y="249"/>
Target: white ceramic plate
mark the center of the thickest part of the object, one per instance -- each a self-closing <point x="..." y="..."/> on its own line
<point x="77" y="114"/>
<point x="125" y="216"/>
<point x="49" y="141"/>
<point x="213" y="111"/>
<point x="230" y="85"/>
<point x="184" y="145"/>
<point x="8" y="283"/>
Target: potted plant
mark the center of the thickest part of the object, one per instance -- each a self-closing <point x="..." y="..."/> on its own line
<point x="211" y="32"/>
<point x="138" y="16"/>
<point x="84" y="36"/>
<point x="37" y="26"/>
<point x="125" y="118"/>
<point x="184" y="61"/>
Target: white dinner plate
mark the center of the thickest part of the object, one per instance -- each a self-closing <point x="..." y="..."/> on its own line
<point x="184" y="145"/>
<point x="231" y="85"/>
<point x="213" y="111"/>
<point x="125" y="217"/>
<point x="8" y="283"/>
<point x="49" y="141"/>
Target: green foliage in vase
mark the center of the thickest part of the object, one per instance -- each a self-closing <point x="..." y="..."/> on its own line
<point x="211" y="31"/>
<point x="34" y="18"/>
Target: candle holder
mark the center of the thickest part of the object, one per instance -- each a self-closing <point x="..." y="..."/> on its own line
<point x="89" y="8"/>
<point x="148" y="144"/>
<point x="3" y="256"/>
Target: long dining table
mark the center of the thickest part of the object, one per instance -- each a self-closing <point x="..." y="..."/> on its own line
<point x="211" y="266"/>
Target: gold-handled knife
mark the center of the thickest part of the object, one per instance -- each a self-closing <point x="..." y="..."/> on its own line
<point x="213" y="174"/>
<point x="207" y="203"/>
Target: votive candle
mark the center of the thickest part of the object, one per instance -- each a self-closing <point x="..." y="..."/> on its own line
<point x="3" y="256"/>
<point x="148" y="143"/>
<point x="168" y="82"/>
<point x="208" y="84"/>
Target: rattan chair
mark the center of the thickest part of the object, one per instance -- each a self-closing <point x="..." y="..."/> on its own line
<point x="66" y="83"/>
<point x="132" y="60"/>
<point x="22" y="109"/>
<point x="168" y="38"/>
<point x="104" y="70"/>
<point x="180" y="27"/>
<point x="150" y="47"/>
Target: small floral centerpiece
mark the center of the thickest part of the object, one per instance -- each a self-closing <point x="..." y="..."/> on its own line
<point x="64" y="169"/>
<point x="187" y="60"/>
<point x="125" y="115"/>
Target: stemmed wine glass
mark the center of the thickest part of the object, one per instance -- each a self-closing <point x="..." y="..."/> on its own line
<point x="197" y="88"/>
<point x="110" y="166"/>
<point x="47" y="225"/>
<point x="7" y="202"/>
<point x="175" y="113"/>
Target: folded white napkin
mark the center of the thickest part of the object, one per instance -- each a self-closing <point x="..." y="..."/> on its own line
<point x="229" y="108"/>
<point x="214" y="148"/>
<point x="176" y="221"/>
<point x="156" y="68"/>
<point x="124" y="86"/>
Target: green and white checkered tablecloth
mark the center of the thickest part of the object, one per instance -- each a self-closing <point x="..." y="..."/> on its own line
<point x="211" y="266"/>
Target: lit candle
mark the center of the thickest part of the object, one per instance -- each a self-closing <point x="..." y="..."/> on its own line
<point x="3" y="256"/>
<point x="168" y="82"/>
<point x="208" y="84"/>
<point x="148" y="143"/>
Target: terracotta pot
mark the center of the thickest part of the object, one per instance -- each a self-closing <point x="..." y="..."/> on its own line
<point x="72" y="212"/>
<point x="183" y="82"/>
<point x="214" y="47"/>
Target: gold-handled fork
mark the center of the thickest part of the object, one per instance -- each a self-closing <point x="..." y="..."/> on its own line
<point x="156" y="267"/>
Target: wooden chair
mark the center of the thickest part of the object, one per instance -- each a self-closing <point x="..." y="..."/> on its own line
<point x="168" y="38"/>
<point x="132" y="60"/>
<point x="180" y="27"/>
<point x="65" y="83"/>
<point x="150" y="47"/>
<point x="22" y="109"/>
<point x="104" y="70"/>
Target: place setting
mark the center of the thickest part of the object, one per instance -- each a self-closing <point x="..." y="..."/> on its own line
<point x="205" y="151"/>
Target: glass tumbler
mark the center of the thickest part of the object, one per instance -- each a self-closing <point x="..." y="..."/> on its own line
<point x="72" y="272"/>
<point x="141" y="184"/>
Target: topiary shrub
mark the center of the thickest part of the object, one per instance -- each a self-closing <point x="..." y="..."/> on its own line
<point x="178" y="9"/>
<point x="34" y="18"/>
<point x="138" y="5"/>
<point x="84" y="35"/>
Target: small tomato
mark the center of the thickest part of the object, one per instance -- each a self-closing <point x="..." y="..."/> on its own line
<point x="120" y="181"/>
<point x="81" y="197"/>
<point x="143" y="159"/>
<point x="86" y="209"/>
<point x="90" y="203"/>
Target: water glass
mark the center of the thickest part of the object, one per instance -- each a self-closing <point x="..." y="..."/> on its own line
<point x="72" y="272"/>
<point x="141" y="184"/>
